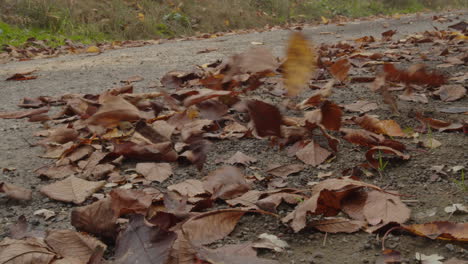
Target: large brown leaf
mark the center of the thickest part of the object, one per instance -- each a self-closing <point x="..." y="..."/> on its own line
<point x="29" y="251"/>
<point x="73" y="246"/>
<point x="142" y="243"/>
<point x="386" y="127"/>
<point x="450" y="93"/>
<point x="208" y="227"/>
<point x="375" y="163"/>
<point x="385" y="208"/>
<point x="98" y="218"/>
<point x="331" y="116"/>
<point x="114" y="109"/>
<point x="15" y="192"/>
<point x="340" y="69"/>
<point x="370" y="139"/>
<point x="266" y="118"/>
<point x="24" y="113"/>
<point x="226" y="183"/>
<point x="189" y="188"/>
<point x="72" y="189"/>
<point x="147" y="152"/>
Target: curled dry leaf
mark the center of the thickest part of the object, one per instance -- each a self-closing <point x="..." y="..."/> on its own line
<point x="47" y="214"/>
<point x="226" y="183"/>
<point x="154" y="171"/>
<point x="147" y="152"/>
<point x="97" y="218"/>
<point x="337" y="225"/>
<point x="142" y="243"/>
<point x="189" y="188"/>
<point x="208" y="227"/>
<point x="313" y="154"/>
<point x="369" y="139"/>
<point x="382" y="149"/>
<point x="72" y="189"/>
<point x="440" y="230"/>
<point x="331" y="116"/>
<point x="386" y="127"/>
<point x="73" y="246"/>
<point x="24" y="76"/>
<point x="416" y="74"/>
<point x="114" y="109"/>
<point x="385" y="208"/>
<point x="24" y="113"/>
<point x="300" y="64"/>
<point x="15" y="192"/>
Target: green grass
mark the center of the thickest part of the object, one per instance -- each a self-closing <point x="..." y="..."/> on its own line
<point x="15" y="36"/>
<point x="89" y="21"/>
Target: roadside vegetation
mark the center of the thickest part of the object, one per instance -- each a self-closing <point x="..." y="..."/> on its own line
<point x="88" y="21"/>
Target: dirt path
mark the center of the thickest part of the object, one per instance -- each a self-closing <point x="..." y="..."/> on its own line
<point x="96" y="73"/>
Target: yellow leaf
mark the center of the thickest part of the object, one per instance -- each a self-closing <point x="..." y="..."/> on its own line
<point x="325" y="20"/>
<point x="93" y="49"/>
<point x="192" y="113"/>
<point x="300" y="64"/>
<point x="141" y="17"/>
<point x="227" y="23"/>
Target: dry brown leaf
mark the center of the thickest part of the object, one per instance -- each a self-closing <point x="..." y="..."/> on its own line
<point x="226" y="183"/>
<point x="389" y="256"/>
<point x="24" y="76"/>
<point x="154" y="171"/>
<point x="189" y="188"/>
<point x="369" y="139"/>
<point x="224" y="255"/>
<point x="385" y="208"/>
<point x="337" y="225"/>
<point x="269" y="241"/>
<point x="313" y="154"/>
<point x="361" y="106"/>
<point x="340" y="69"/>
<point x="248" y="199"/>
<point x="266" y="118"/>
<point x="450" y="93"/>
<point x="24" y="113"/>
<point x="114" y="109"/>
<point x="98" y="218"/>
<point x="285" y="170"/>
<point x="331" y="115"/>
<point x="440" y="230"/>
<point x="240" y="158"/>
<point x="72" y="189"/>
<point x="28" y="251"/>
<point x="15" y="192"/>
<point x="382" y="149"/>
<point x="386" y="127"/>
<point x="142" y="243"/>
<point x="300" y="64"/>
<point x="73" y="245"/>
<point x="208" y="227"/>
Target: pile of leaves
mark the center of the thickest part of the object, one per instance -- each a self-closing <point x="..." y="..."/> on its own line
<point x="132" y="140"/>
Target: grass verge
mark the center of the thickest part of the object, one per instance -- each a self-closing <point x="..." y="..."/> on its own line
<point x="89" y="21"/>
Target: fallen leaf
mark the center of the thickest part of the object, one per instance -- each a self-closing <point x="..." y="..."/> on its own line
<point x="73" y="246"/>
<point x="226" y="183"/>
<point x="450" y="93"/>
<point x="313" y="154"/>
<point x="22" y="76"/>
<point x="385" y="208"/>
<point x="72" y="189"/>
<point x="189" y="188"/>
<point x="337" y="225"/>
<point x="24" y="113"/>
<point x="209" y="227"/>
<point x="389" y="256"/>
<point x="382" y="149"/>
<point x="440" y="230"/>
<point x="340" y="69"/>
<point x="142" y="243"/>
<point x="47" y="214"/>
<point x="31" y="251"/>
<point x="361" y="106"/>
<point x="98" y="218"/>
<point x="15" y="192"/>
<point x="370" y="139"/>
<point x="454" y="208"/>
<point x="269" y="241"/>
<point x="154" y="171"/>
<point x="93" y="49"/>
<point x="300" y="64"/>
<point x="331" y="116"/>
<point x="240" y="158"/>
<point x="266" y="118"/>
<point x="285" y="170"/>
<point x="386" y="127"/>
